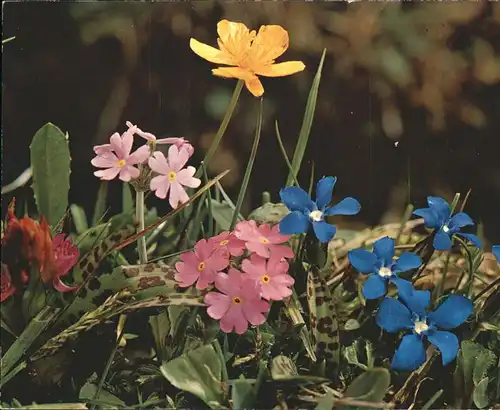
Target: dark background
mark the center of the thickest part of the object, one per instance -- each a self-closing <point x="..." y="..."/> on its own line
<point x="408" y="103"/>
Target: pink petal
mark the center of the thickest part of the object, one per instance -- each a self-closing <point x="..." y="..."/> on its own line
<point x="107" y="174"/>
<point x="234" y="318"/>
<point x="106" y="160"/>
<point x="139" y="156"/>
<point x="116" y="145"/>
<point x="174" y="140"/>
<point x="102" y="149"/>
<point x="229" y="284"/>
<point x="128" y="172"/>
<point x="281" y="251"/>
<point x="128" y="141"/>
<point x="177" y="195"/>
<point x="246" y="230"/>
<point x="158" y="163"/>
<point x="177" y="158"/>
<point x="203" y="249"/>
<point x="259" y="248"/>
<point x="160" y="184"/>
<point x="61" y="287"/>
<point x="207" y="277"/>
<point x="218" y="303"/>
<point x="185" y="177"/>
<point x="253" y="311"/>
<point x="274" y="235"/>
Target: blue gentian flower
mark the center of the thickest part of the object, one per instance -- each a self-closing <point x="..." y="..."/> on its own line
<point x="304" y="211"/>
<point x="382" y="268"/>
<point x="438" y="216"/>
<point x="394" y="316"/>
<point x="496" y="252"/>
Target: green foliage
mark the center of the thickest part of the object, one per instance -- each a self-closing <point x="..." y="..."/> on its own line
<point x="50" y="161"/>
<point x="370" y="386"/>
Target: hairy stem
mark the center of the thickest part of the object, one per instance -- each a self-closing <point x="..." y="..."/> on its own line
<point x="139" y="213"/>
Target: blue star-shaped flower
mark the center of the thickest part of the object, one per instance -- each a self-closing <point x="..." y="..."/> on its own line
<point x="304" y="211"/>
<point x="438" y="216"/>
<point x="382" y="268"/>
<point x="394" y="316"/>
<point x="496" y="252"/>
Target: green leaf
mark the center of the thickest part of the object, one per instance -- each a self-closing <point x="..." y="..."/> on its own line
<point x="199" y="372"/>
<point x="100" y="204"/>
<point x="222" y="212"/>
<point x="326" y="402"/>
<point x="127" y="198"/>
<point x="89" y="390"/>
<point x="242" y="393"/>
<point x="480" y="395"/>
<point x="305" y="130"/>
<point x="248" y="170"/>
<point x="370" y="386"/>
<point x="79" y="218"/>
<point x="50" y="161"/>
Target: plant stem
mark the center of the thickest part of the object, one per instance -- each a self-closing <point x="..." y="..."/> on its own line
<point x="222" y="128"/>
<point x="139" y="213"/>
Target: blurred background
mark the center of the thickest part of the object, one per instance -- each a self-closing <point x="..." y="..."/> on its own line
<point x="408" y="106"/>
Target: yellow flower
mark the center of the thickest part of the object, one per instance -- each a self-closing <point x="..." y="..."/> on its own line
<point x="248" y="53"/>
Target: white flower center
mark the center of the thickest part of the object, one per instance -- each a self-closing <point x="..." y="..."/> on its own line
<point x="385" y="272"/>
<point x="316" y="215"/>
<point x="446" y="229"/>
<point x="420" y="326"/>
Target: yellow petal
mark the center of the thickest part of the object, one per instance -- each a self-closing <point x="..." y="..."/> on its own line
<point x="270" y="43"/>
<point x="210" y="53"/>
<point x="281" y="69"/>
<point x="235" y="38"/>
<point x="252" y="83"/>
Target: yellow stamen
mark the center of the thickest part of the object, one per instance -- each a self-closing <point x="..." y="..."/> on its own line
<point x="121" y="163"/>
<point x="236" y="300"/>
<point x="263" y="240"/>
<point x="201" y="266"/>
<point x="224" y="242"/>
<point x="171" y="176"/>
<point x="265" y="279"/>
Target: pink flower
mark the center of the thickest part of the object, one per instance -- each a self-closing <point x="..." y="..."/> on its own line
<point x="172" y="177"/>
<point x="7" y="288"/>
<point x="270" y="275"/>
<point x="200" y="265"/>
<point x="66" y="256"/>
<point x="238" y="304"/>
<point x="263" y="239"/>
<point x="118" y="160"/>
<point x="179" y="142"/>
<point x="227" y="242"/>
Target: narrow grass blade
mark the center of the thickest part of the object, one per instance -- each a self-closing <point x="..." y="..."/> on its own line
<point x="248" y="170"/>
<point x="100" y="204"/>
<point x="305" y="130"/>
<point x="79" y="218"/>
<point x="127" y="198"/>
<point x="285" y="156"/>
<point x="20" y="181"/>
<point x="222" y="128"/>
<point x="25" y="340"/>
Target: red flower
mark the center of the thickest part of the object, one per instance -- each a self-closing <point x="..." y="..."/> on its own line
<point x="65" y="257"/>
<point x="7" y="287"/>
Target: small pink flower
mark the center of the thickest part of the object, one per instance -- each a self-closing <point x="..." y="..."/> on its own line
<point x="263" y="239"/>
<point x="227" y="242"/>
<point x="172" y="175"/>
<point x="118" y="160"/>
<point x="238" y="304"/>
<point x="178" y="142"/>
<point x="66" y="256"/>
<point x="200" y="265"/>
<point x="7" y="288"/>
<point x="270" y="275"/>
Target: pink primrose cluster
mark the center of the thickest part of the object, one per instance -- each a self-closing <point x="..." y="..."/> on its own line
<point x="240" y="296"/>
<point x="117" y="160"/>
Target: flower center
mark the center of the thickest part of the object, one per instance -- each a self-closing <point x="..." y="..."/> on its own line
<point x="171" y="176"/>
<point x="224" y="242"/>
<point x="420" y="326"/>
<point x="265" y="279"/>
<point x="121" y="163"/>
<point x="446" y="229"/>
<point x="385" y="272"/>
<point x="201" y="266"/>
<point x="263" y="240"/>
<point x="236" y="300"/>
<point x="316" y="216"/>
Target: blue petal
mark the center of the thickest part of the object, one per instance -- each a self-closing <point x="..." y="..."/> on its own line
<point x="324" y="231"/>
<point x="460" y="220"/>
<point x="324" y="189"/>
<point x="407" y="261"/>
<point x="392" y="316"/>
<point x="374" y="287"/>
<point x="452" y="312"/>
<point x="496" y="252"/>
<point x="384" y="249"/>
<point x="405" y="287"/>
<point x="294" y="223"/>
<point x="416" y="300"/>
<point x="446" y="342"/>
<point x="440" y="207"/>
<point x="296" y="199"/>
<point x="430" y="217"/>
<point x="348" y="206"/>
<point x="471" y="237"/>
<point x="410" y="354"/>
<point x="362" y="260"/>
<point x="442" y="241"/>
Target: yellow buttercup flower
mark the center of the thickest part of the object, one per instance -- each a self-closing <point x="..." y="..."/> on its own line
<point x="248" y="53"/>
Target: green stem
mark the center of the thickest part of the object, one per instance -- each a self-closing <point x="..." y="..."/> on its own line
<point x="222" y="128"/>
<point x="139" y="213"/>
